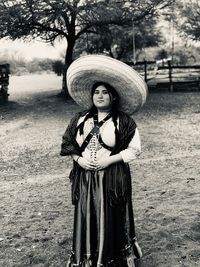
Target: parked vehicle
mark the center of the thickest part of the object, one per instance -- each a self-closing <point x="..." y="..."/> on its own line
<point x="4" y="82"/>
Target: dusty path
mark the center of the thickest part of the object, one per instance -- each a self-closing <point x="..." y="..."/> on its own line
<point x="36" y="215"/>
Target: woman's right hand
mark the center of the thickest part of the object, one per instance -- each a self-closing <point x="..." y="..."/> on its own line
<point x="86" y="164"/>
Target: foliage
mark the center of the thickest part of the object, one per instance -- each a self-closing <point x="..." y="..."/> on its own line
<point x="117" y="41"/>
<point x="39" y="65"/>
<point x="58" y="67"/>
<point x="20" y="66"/>
<point x="186" y="55"/>
<point x="189" y="11"/>
<point x="161" y="54"/>
<point x="182" y="55"/>
<point x="70" y="19"/>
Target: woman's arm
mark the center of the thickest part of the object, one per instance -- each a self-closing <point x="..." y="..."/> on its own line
<point x="134" y="148"/>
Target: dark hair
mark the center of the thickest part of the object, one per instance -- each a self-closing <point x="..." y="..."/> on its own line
<point x="114" y="108"/>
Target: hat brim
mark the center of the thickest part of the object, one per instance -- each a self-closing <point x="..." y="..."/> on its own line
<point x="84" y="72"/>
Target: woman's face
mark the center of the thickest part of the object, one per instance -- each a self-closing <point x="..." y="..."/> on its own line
<point x="102" y="99"/>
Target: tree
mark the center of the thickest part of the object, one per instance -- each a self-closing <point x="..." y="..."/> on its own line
<point x="69" y="19"/>
<point x="189" y="12"/>
<point x="113" y="37"/>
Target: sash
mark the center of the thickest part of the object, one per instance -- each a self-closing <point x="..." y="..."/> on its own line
<point x="96" y="131"/>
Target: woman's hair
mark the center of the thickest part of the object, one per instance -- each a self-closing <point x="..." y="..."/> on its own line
<point x="114" y="108"/>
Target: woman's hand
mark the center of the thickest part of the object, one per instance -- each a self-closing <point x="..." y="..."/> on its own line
<point x="86" y="164"/>
<point x="103" y="163"/>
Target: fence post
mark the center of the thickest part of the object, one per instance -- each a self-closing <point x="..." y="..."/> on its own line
<point x="145" y="70"/>
<point x="171" y="89"/>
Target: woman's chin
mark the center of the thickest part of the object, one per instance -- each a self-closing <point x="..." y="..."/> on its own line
<point x="103" y="107"/>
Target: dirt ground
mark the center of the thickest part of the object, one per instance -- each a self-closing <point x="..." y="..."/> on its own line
<point x="36" y="215"/>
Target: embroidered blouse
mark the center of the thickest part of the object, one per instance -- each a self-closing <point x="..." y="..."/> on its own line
<point x="95" y="151"/>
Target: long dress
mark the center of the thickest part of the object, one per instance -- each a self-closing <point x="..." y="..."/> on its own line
<point x="103" y="235"/>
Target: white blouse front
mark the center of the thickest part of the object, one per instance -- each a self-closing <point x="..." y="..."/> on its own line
<point x="95" y="151"/>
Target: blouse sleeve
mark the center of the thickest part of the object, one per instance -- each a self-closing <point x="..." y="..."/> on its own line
<point x="133" y="149"/>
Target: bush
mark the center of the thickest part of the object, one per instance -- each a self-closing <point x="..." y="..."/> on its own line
<point x="58" y="67"/>
<point x="20" y="66"/>
<point x="186" y="55"/>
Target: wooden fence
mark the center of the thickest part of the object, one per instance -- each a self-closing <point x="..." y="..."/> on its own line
<point x="159" y="74"/>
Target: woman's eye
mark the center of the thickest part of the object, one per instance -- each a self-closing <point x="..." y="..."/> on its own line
<point x="97" y="92"/>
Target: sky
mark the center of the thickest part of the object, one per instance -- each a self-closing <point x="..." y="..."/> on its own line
<point x="38" y="49"/>
<point x="33" y="49"/>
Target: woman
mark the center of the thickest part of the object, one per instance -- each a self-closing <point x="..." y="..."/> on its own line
<point x="101" y="140"/>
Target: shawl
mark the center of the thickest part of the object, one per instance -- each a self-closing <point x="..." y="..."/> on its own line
<point x="117" y="176"/>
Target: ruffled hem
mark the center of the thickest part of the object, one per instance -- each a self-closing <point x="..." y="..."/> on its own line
<point x="127" y="257"/>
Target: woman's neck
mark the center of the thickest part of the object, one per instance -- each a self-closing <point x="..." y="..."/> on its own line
<point x="102" y="113"/>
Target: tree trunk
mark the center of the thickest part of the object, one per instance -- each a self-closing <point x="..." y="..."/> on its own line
<point x="64" y="91"/>
<point x="68" y="61"/>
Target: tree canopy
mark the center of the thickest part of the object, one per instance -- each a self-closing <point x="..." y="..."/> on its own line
<point x="111" y="37"/>
<point x="70" y="19"/>
<point x="189" y="12"/>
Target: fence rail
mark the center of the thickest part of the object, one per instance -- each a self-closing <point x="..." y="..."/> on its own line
<point x="164" y="74"/>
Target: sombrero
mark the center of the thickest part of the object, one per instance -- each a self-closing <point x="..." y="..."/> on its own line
<point x="87" y="70"/>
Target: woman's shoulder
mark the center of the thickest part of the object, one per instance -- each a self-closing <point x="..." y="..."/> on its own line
<point x="126" y="121"/>
<point x="79" y="115"/>
<point x="122" y="115"/>
<point x="76" y="119"/>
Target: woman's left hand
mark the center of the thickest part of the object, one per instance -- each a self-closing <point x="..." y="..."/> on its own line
<point x="103" y="163"/>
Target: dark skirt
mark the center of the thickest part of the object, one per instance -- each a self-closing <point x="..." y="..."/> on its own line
<point x="103" y="235"/>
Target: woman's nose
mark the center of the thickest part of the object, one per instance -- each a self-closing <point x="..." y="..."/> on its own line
<point x="100" y="95"/>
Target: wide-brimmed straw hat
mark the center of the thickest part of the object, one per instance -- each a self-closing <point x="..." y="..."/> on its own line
<point x="84" y="72"/>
